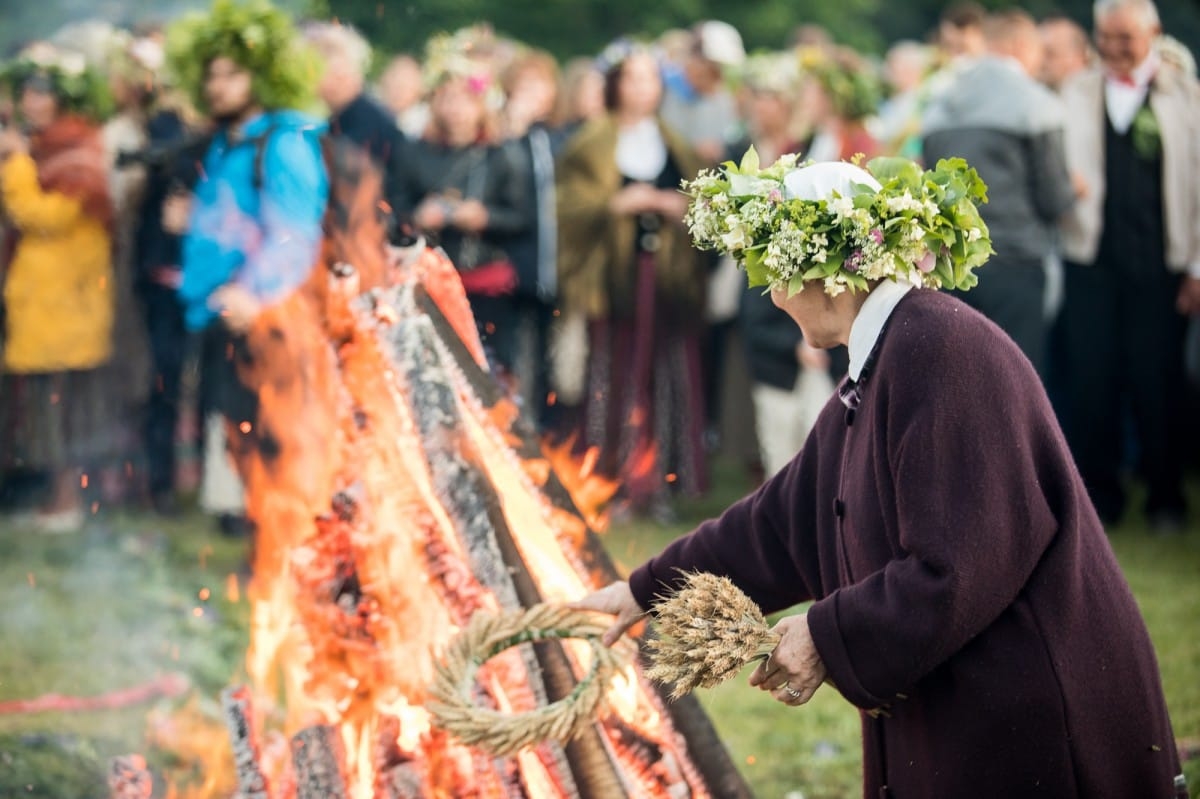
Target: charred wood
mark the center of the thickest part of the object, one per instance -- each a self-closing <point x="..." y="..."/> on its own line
<point x="317" y="755"/>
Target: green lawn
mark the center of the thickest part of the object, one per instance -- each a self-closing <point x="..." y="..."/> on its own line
<point x="117" y="606"/>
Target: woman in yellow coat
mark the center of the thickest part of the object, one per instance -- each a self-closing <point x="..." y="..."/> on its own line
<point x="58" y="294"/>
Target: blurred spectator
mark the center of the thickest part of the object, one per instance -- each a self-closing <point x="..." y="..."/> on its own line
<point x="531" y="84"/>
<point x="170" y="158"/>
<point x="707" y="116"/>
<point x="469" y="196"/>
<point x="809" y="35"/>
<point x="790" y="381"/>
<point x="1067" y="51"/>
<point x="401" y="86"/>
<point x="839" y="94"/>
<point x="253" y="226"/>
<point x="898" y="125"/>
<point x="131" y="81"/>
<point x="1010" y="129"/>
<point x="58" y="287"/>
<point x="960" y="32"/>
<point x="1132" y="252"/>
<point x="353" y="115"/>
<point x="625" y="265"/>
<point x="582" y="97"/>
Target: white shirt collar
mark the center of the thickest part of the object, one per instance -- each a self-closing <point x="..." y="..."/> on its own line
<point x="1143" y="73"/>
<point x="873" y="315"/>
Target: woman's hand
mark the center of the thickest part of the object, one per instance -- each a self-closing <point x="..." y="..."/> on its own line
<point x="177" y="213"/>
<point x="672" y="204"/>
<point x="11" y="141"/>
<point x="1188" y="302"/>
<point x="794" y="671"/>
<point x="431" y="214"/>
<point x="636" y="198"/>
<point x="471" y="216"/>
<point x="237" y="306"/>
<point x="615" y="599"/>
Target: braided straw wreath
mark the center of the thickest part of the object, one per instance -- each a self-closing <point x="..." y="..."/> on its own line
<point x="486" y="636"/>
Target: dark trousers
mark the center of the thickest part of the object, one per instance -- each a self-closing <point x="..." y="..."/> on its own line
<point x="533" y="363"/>
<point x="1122" y="346"/>
<point x="1012" y="294"/>
<point x="168" y="348"/>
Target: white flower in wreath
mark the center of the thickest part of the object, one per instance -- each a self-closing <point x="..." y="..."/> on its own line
<point x="738" y="237"/>
<point x="841" y="207"/>
<point x="72" y="64"/>
<point x="974" y="234"/>
<point x="720" y="200"/>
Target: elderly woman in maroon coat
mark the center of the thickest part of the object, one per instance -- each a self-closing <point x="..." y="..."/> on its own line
<point x="961" y="580"/>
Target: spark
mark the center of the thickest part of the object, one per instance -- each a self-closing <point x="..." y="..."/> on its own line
<point x="232" y="588"/>
<point x="83" y="480"/>
<point x="197" y="612"/>
<point x="245" y="427"/>
<point x="32" y="580"/>
<point x="204" y="594"/>
<point x="672" y="477"/>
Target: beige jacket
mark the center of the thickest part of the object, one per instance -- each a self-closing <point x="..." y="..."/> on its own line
<point x="1175" y="100"/>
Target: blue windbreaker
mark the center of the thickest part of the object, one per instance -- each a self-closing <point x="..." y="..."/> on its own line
<point x="265" y="239"/>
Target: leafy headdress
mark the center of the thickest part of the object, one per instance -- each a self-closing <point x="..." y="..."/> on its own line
<point x="841" y="225"/>
<point x="79" y="87"/>
<point x="256" y="36"/>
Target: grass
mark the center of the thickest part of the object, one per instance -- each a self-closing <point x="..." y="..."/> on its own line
<point x="120" y="604"/>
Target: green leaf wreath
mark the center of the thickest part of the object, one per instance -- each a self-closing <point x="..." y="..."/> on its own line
<point x="922" y="226"/>
<point x="259" y="38"/>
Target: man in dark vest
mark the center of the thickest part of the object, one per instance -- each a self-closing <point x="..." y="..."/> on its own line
<point x="1132" y="252"/>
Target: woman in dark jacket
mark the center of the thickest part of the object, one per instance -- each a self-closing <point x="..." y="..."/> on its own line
<point x="468" y="195"/>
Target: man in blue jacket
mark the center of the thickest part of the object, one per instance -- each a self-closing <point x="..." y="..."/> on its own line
<point x="252" y="226"/>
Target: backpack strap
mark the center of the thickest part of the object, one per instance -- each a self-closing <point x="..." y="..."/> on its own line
<point x="258" y="178"/>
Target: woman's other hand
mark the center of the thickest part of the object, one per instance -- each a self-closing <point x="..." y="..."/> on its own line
<point x="617" y="600"/>
<point x="794" y="671"/>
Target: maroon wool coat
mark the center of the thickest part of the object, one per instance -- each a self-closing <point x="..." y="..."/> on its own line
<point x="961" y="577"/>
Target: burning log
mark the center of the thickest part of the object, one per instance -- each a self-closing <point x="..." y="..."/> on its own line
<point x="708" y="753"/>
<point x="129" y="778"/>
<point x="317" y="755"/>
<point x="252" y="783"/>
<point x="395" y="492"/>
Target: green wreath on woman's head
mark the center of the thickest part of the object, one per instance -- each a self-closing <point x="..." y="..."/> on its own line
<point x="79" y="88"/>
<point x="256" y="36"/>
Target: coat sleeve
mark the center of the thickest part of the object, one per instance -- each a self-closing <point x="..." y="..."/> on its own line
<point x="1053" y="193"/>
<point x="292" y="205"/>
<point x="583" y="190"/>
<point x="509" y="204"/>
<point x="973" y="524"/>
<point x="30" y="208"/>
<point x="763" y="543"/>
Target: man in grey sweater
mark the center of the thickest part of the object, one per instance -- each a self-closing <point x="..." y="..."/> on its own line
<point x="1010" y="128"/>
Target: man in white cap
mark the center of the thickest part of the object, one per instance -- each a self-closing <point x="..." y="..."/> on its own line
<point x="707" y="116"/>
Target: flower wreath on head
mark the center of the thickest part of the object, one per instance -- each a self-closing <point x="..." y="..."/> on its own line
<point x="79" y="87"/>
<point x="843" y="225"/>
<point x="853" y="86"/>
<point x="621" y="49"/>
<point x="259" y="38"/>
<point x="464" y="54"/>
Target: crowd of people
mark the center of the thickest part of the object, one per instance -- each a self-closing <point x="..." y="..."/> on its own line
<point x="156" y="195"/>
